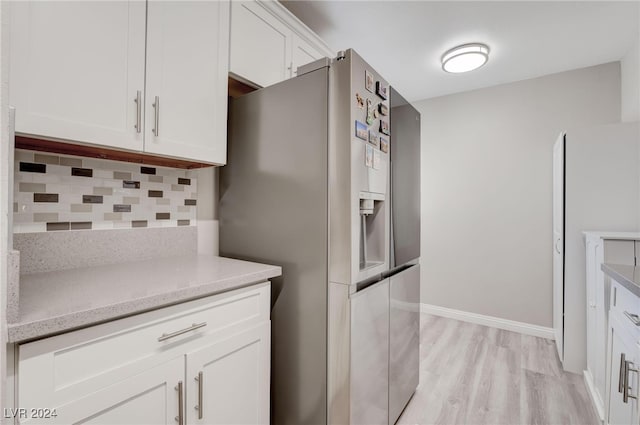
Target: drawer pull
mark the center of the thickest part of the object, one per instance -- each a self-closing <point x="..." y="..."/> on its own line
<point x="633" y="317"/>
<point x="193" y="327"/>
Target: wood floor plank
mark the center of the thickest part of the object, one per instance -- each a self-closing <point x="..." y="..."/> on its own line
<point x="476" y="375"/>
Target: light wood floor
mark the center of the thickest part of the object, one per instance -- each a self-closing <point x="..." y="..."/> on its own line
<point x="472" y="374"/>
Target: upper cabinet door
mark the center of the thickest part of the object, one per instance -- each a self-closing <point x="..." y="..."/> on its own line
<point x="187" y="68"/>
<point x="260" y="45"/>
<point x="303" y="53"/>
<point x="76" y="69"/>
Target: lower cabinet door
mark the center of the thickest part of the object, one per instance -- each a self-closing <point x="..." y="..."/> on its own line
<point x="150" y="397"/>
<point x="229" y="380"/>
<point x="622" y="349"/>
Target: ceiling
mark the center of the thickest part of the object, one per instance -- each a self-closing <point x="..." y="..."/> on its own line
<point x="404" y="40"/>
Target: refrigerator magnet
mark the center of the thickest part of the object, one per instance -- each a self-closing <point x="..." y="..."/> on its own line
<point x="381" y="90"/>
<point x="383" y="109"/>
<point x="370" y="112"/>
<point x="361" y="131"/>
<point x="374" y="139"/>
<point x="359" y="101"/>
<point x="384" y="127"/>
<point x="368" y="157"/>
<point x="376" y="159"/>
<point x="384" y="145"/>
<point x="368" y="81"/>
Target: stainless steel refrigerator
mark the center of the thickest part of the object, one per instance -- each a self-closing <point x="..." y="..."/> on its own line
<point x="323" y="179"/>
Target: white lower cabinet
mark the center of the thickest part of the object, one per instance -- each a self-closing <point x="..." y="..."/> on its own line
<point x="202" y="362"/>
<point x="623" y="410"/>
<point x="228" y="380"/>
<point x="147" y="398"/>
<point x="623" y="357"/>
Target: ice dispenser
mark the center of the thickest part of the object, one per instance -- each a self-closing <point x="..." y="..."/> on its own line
<point x="372" y="229"/>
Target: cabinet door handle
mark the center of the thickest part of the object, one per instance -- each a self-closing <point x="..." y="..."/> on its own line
<point x="621" y="373"/>
<point x="633" y="317"/>
<point x="156" y="115"/>
<point x="180" y="417"/>
<point x="138" y="101"/>
<point x="193" y="327"/>
<point x="556" y="245"/>
<point x="200" y="383"/>
<point x="625" y="392"/>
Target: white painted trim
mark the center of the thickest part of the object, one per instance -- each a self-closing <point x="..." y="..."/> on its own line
<point x="493" y="322"/>
<point x="591" y="389"/>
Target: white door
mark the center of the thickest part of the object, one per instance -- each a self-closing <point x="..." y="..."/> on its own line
<point x="592" y="331"/>
<point x="622" y="343"/>
<point x="558" y="244"/>
<point x="260" y="45"/>
<point x="187" y="71"/>
<point x="76" y="68"/>
<point x="149" y="398"/>
<point x="303" y="53"/>
<point x="229" y="380"/>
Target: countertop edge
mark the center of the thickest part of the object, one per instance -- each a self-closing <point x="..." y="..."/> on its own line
<point x="625" y="281"/>
<point x="27" y="331"/>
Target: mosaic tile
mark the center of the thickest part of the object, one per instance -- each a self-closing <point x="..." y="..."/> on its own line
<point x="64" y="192"/>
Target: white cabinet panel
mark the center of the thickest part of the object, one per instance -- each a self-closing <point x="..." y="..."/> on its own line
<point x="260" y="44"/>
<point x="303" y="53"/>
<point x="76" y="68"/>
<point x="187" y="57"/>
<point x="234" y="381"/>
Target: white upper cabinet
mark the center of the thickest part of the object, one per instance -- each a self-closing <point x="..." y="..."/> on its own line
<point x="186" y="105"/>
<point x="75" y="69"/>
<point x="268" y="43"/>
<point x="260" y="44"/>
<point x="303" y="53"/>
<point x="78" y="72"/>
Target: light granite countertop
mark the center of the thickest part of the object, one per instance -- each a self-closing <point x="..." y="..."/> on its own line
<point x="627" y="276"/>
<point x="54" y="302"/>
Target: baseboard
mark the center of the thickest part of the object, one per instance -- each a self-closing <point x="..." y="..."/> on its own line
<point x="493" y="322"/>
<point x="597" y="403"/>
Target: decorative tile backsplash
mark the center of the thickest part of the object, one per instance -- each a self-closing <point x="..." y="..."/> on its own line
<point x="59" y="192"/>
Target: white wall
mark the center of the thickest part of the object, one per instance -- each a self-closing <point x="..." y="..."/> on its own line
<point x="630" y="84"/>
<point x="487" y="186"/>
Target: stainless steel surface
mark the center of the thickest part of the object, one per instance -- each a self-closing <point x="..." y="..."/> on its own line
<point x="405" y="180"/>
<point x="180" y="417"/>
<point x="404" y="339"/>
<point x="621" y="373"/>
<point x="633" y="317"/>
<point x="274" y="209"/>
<point x="625" y="390"/>
<point x="138" y="101"/>
<point x="199" y="407"/>
<point x="156" y="116"/>
<point x="370" y="355"/>
<point x="193" y="327"/>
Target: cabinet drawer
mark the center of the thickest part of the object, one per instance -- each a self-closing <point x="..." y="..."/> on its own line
<point x="56" y="370"/>
<point x="623" y="301"/>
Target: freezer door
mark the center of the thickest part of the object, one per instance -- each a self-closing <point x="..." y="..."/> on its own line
<point x="370" y="355"/>
<point x="405" y="181"/>
<point x="404" y="334"/>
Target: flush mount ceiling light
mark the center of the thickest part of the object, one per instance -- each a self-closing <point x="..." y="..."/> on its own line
<point x="466" y="57"/>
